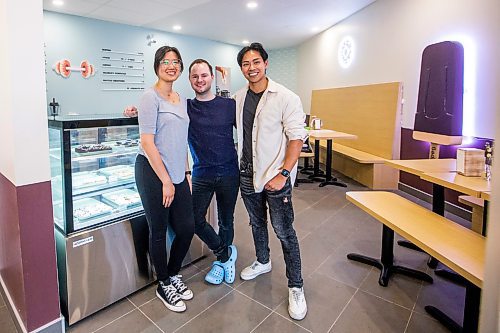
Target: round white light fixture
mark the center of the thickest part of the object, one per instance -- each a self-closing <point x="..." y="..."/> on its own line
<point x="346" y="52"/>
<point x="58" y="2"/>
<point x="245" y="42"/>
<point x="314" y="29"/>
<point x="177" y="27"/>
<point x="252" y="4"/>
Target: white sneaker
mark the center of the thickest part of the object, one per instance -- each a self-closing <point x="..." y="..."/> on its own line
<point x="255" y="269"/>
<point x="297" y="307"/>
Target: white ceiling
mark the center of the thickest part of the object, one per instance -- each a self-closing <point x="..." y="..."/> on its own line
<point x="274" y="23"/>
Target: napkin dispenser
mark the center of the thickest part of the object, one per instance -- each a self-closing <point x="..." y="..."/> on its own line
<point x="470" y="162"/>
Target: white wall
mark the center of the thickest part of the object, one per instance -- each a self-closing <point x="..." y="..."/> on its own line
<point x="24" y="149"/>
<point x="390" y="36"/>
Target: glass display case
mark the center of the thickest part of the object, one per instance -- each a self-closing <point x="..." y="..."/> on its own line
<point x="92" y="167"/>
<point x="102" y="236"/>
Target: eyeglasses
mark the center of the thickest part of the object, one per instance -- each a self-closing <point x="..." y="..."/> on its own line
<point x="173" y="62"/>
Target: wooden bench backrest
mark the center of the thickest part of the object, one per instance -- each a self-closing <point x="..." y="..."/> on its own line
<point x="372" y="112"/>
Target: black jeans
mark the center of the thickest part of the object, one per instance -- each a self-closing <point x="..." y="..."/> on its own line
<point x="226" y="193"/>
<point x="281" y="213"/>
<point x="179" y="216"/>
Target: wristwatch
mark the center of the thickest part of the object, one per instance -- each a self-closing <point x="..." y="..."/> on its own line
<point x="285" y="173"/>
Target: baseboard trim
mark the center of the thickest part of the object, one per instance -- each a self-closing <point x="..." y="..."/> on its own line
<point x="55" y="326"/>
<point x="449" y="207"/>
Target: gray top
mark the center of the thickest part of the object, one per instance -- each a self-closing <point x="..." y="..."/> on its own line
<point x="169" y="123"/>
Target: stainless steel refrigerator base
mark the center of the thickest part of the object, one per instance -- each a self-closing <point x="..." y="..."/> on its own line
<point x="104" y="265"/>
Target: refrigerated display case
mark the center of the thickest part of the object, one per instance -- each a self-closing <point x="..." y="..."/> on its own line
<point x="101" y="232"/>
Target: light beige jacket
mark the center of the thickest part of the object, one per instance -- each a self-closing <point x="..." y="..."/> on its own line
<point x="279" y="118"/>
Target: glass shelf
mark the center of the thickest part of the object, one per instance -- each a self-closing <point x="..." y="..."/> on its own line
<point x="95" y="185"/>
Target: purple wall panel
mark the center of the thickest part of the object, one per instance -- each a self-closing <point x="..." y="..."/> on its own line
<point x="11" y="266"/>
<point x="27" y="251"/>
<point x="39" y="253"/>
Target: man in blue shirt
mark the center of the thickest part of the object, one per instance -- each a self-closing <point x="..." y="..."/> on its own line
<point x="215" y="168"/>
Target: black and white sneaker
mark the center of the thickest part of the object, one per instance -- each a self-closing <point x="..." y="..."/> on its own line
<point x="182" y="290"/>
<point x="168" y="295"/>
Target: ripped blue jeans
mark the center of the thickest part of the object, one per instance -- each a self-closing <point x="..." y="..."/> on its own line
<point x="281" y="213"/>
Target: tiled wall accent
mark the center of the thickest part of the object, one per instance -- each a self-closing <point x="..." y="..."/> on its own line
<point x="283" y="67"/>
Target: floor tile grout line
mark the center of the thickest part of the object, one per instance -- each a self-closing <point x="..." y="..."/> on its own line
<point x="243" y="294"/>
<point x="290" y="320"/>
<point x="273" y="310"/>
<point x="145" y="315"/>
<point x="343" y="310"/>
<point x="386" y="300"/>
<point x="349" y="301"/>
<point x="414" y="305"/>
<point x="205" y="310"/>
<point x="118" y="318"/>
<point x="263" y="320"/>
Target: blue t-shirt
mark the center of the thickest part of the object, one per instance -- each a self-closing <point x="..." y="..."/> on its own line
<point x="169" y="124"/>
<point x="211" y="137"/>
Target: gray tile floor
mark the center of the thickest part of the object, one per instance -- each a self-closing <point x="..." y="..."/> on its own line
<point x="342" y="296"/>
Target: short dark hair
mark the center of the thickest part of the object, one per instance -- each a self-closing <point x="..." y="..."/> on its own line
<point x="160" y="53"/>
<point x="252" y="47"/>
<point x="201" y="61"/>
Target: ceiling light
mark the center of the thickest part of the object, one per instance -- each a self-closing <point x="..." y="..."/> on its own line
<point x="245" y="42"/>
<point x="252" y="4"/>
<point x="58" y="2"/>
<point x="177" y="27"/>
<point x="314" y="29"/>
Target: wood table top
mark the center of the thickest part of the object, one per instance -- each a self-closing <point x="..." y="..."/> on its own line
<point x="473" y="186"/>
<point x="420" y="166"/>
<point x="326" y="134"/>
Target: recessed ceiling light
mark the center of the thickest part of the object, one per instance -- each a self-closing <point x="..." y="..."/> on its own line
<point x="177" y="27"/>
<point x="58" y="2"/>
<point x="252" y="4"/>
<point x="314" y="29"/>
<point x="245" y="42"/>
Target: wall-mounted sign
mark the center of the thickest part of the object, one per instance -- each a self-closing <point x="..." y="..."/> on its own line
<point x="122" y="70"/>
<point x="346" y="52"/>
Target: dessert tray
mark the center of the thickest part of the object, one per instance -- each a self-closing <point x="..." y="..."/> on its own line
<point x="87" y="178"/>
<point x="93" y="149"/>
<point x="122" y="198"/>
<point x="88" y="208"/>
<point x="118" y="172"/>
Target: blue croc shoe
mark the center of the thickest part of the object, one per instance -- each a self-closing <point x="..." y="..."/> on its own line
<point x="230" y="265"/>
<point x="216" y="274"/>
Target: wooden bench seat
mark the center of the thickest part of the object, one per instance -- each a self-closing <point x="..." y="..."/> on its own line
<point x="459" y="248"/>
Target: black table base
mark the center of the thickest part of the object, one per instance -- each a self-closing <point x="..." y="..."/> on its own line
<point x="471" y="312"/>
<point x="386" y="261"/>
<point x="324" y="179"/>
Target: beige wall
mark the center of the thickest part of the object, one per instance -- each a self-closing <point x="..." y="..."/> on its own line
<point x="390" y="36"/>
